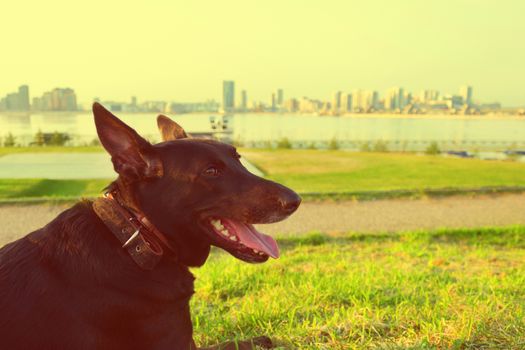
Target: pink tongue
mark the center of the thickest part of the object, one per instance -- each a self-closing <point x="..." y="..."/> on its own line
<point x="254" y="239"/>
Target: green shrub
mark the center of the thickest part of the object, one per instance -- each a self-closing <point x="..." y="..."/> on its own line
<point x="10" y="140"/>
<point x="433" y="149"/>
<point x="58" y="139"/>
<point x="95" y="142"/>
<point x="284" y="143"/>
<point x="39" y="139"/>
<point x="380" y="146"/>
<point x="333" y="144"/>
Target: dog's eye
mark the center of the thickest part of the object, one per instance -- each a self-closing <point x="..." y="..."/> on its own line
<point x="211" y="171"/>
<point x="237" y="155"/>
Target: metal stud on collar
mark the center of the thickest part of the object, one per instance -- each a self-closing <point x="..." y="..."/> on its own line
<point x="131" y="239"/>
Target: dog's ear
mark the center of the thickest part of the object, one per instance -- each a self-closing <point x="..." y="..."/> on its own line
<point x="169" y="129"/>
<point x="133" y="157"/>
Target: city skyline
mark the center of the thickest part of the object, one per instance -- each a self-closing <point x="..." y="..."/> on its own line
<point x="267" y="96"/>
<point x="395" y="99"/>
<point x="179" y="50"/>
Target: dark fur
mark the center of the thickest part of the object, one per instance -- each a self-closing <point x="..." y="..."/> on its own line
<point x="70" y="285"/>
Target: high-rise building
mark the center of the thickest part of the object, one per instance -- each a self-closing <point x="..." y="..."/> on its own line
<point x="280" y="97"/>
<point x="364" y="100"/>
<point x="336" y="102"/>
<point x="56" y="100"/>
<point x="228" y="95"/>
<point x="23" y="98"/>
<point x="453" y="101"/>
<point x="274" y="102"/>
<point x="17" y="101"/>
<point x="244" y="100"/>
<point x="358" y="100"/>
<point x="346" y="103"/>
<point x="426" y="96"/>
<point x="69" y="102"/>
<point x="291" y="105"/>
<point x="374" y="103"/>
<point x="466" y="93"/>
<point x="395" y="99"/>
<point x="12" y="103"/>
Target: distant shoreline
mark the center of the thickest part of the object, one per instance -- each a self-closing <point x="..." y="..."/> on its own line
<point x="491" y="116"/>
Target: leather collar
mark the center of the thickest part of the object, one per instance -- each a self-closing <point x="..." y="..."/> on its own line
<point x="138" y="236"/>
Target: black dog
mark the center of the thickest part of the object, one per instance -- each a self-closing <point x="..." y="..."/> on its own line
<point x="113" y="273"/>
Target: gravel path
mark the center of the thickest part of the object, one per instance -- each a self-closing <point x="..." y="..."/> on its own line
<point x="374" y="216"/>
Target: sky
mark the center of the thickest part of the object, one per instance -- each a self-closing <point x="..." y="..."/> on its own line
<point x="182" y="50"/>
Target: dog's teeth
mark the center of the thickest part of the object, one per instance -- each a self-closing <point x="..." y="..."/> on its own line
<point x="255" y="251"/>
<point x="233" y="238"/>
<point x="261" y="253"/>
<point x="225" y="232"/>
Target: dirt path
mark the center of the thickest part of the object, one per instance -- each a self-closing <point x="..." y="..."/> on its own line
<point x="376" y="216"/>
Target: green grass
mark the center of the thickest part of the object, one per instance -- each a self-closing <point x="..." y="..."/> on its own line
<point x="461" y="289"/>
<point x="317" y="171"/>
<point x="50" y="189"/>
<point x="320" y="174"/>
<point x="50" y="149"/>
<point x="21" y="190"/>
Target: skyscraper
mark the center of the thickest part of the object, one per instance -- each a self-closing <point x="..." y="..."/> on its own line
<point x="23" y="98"/>
<point x="346" y="103"/>
<point x="395" y="99"/>
<point x="56" y="100"/>
<point x="12" y="102"/>
<point x="336" y="102"/>
<point x="466" y="93"/>
<point x="358" y="100"/>
<point x="228" y="95"/>
<point x="374" y="103"/>
<point x="280" y="97"/>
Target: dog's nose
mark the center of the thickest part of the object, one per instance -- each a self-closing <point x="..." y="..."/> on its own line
<point x="290" y="202"/>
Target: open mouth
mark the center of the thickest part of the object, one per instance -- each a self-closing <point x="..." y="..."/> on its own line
<point x="243" y="241"/>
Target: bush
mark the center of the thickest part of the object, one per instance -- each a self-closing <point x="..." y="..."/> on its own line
<point x="334" y="144"/>
<point x="39" y="139"/>
<point x="433" y="149"/>
<point x="380" y="146"/>
<point x="284" y="143"/>
<point x="10" y="140"/>
<point x="58" y="139"/>
<point x="95" y="142"/>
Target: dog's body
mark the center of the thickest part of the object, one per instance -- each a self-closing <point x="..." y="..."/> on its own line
<point x="71" y="285"/>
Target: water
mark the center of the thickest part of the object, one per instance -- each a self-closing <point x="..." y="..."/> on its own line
<point x="409" y="133"/>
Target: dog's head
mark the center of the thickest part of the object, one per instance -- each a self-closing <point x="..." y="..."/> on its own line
<point x="195" y="191"/>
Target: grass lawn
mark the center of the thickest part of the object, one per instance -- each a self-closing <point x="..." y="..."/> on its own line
<point x="462" y="289"/>
<point x="318" y="174"/>
<point x="50" y="149"/>
<point x="12" y="189"/>
<point x="341" y="171"/>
